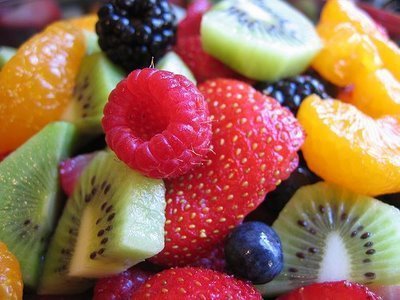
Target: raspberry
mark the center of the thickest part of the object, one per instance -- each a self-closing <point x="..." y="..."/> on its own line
<point x="131" y="32"/>
<point x="290" y="92"/>
<point x="158" y="123"/>
<point x="121" y="286"/>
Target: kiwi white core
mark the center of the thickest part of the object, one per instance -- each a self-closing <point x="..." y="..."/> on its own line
<point x="254" y="11"/>
<point x="336" y="260"/>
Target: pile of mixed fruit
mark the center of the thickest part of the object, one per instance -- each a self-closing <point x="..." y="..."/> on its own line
<point x="232" y="150"/>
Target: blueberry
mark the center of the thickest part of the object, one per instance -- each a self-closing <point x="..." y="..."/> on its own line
<point x="253" y="251"/>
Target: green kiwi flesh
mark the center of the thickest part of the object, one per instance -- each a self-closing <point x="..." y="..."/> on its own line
<point x="173" y="63"/>
<point x="92" y="45"/>
<point x="30" y="196"/>
<point x="331" y="234"/>
<point x="114" y="219"/>
<point x="5" y="54"/>
<point x="96" y="79"/>
<point x="260" y="39"/>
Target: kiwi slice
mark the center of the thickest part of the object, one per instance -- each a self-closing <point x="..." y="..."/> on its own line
<point x="114" y="219"/>
<point x="5" y="54"/>
<point x="261" y="39"/>
<point x="92" y="45"/>
<point x="96" y="79"/>
<point x="30" y="196"/>
<point x="331" y="234"/>
<point x="173" y="63"/>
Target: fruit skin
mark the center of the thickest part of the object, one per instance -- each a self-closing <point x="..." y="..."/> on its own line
<point x="34" y="94"/>
<point x="215" y="260"/>
<point x="253" y="252"/>
<point x="11" y="285"/>
<point x="254" y="147"/>
<point x="157" y="123"/>
<point x="332" y="291"/>
<point x="121" y="286"/>
<point x="194" y="283"/>
<point x="71" y="169"/>
<point x="190" y="25"/>
<point x="291" y="92"/>
<point x="346" y="147"/>
<point x="202" y="65"/>
<point x="132" y="33"/>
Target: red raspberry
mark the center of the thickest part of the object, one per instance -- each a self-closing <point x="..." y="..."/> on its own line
<point x="195" y="283"/>
<point x="254" y="147"/>
<point x="121" y="286"/>
<point x="157" y="123"/>
<point x="190" y="25"/>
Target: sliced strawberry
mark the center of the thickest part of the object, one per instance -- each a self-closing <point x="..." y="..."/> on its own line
<point x="71" y="169"/>
<point x="121" y="286"/>
<point x="332" y="291"/>
<point x="200" y="63"/>
<point x="3" y="156"/>
<point x="190" y="25"/>
<point x="254" y="147"/>
<point x="195" y="283"/>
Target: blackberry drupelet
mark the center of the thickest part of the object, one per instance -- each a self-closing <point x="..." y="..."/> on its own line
<point x="132" y="32"/>
<point x="290" y="92"/>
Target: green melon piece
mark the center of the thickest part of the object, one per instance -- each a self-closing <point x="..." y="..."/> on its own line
<point x="30" y="196"/>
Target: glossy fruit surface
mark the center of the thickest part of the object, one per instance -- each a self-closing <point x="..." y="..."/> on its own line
<point x="195" y="283"/>
<point x="157" y="123"/>
<point x="11" y="285"/>
<point x="347" y="147"/>
<point x="253" y="251"/>
<point x="254" y="147"/>
<point x="37" y="83"/>
<point x="332" y="291"/>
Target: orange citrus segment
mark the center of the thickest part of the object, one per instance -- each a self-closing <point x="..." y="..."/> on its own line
<point x="11" y="285"/>
<point x="349" y="148"/>
<point x="87" y="22"/>
<point x="37" y="83"/>
<point x="377" y="93"/>
<point x="345" y="53"/>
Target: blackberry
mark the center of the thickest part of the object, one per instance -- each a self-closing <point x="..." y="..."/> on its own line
<point x="290" y="92"/>
<point x="132" y="32"/>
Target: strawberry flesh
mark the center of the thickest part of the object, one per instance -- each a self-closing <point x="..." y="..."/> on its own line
<point x="254" y="147"/>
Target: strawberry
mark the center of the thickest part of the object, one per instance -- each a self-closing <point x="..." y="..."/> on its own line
<point x="203" y="65"/>
<point x="254" y="147"/>
<point x="215" y="260"/>
<point x="190" y="25"/>
<point x="195" y="283"/>
<point x="71" y="169"/>
<point x="332" y="291"/>
<point x="121" y="286"/>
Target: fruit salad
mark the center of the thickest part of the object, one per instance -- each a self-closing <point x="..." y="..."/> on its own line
<point x="227" y="149"/>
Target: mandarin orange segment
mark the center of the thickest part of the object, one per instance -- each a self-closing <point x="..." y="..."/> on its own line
<point x="345" y="11"/>
<point x="389" y="53"/>
<point x="87" y="22"/>
<point x="349" y="148"/>
<point x="376" y="93"/>
<point x="345" y="52"/>
<point x="11" y="285"/>
<point x="37" y="83"/>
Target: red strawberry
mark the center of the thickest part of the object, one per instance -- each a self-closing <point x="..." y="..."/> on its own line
<point x="158" y="123"/>
<point x="190" y="25"/>
<point x="195" y="283"/>
<point x="254" y="147"/>
<point x="121" y="286"/>
<point x="71" y="169"/>
<point x="214" y="260"/>
<point x="332" y="291"/>
<point x="200" y="63"/>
